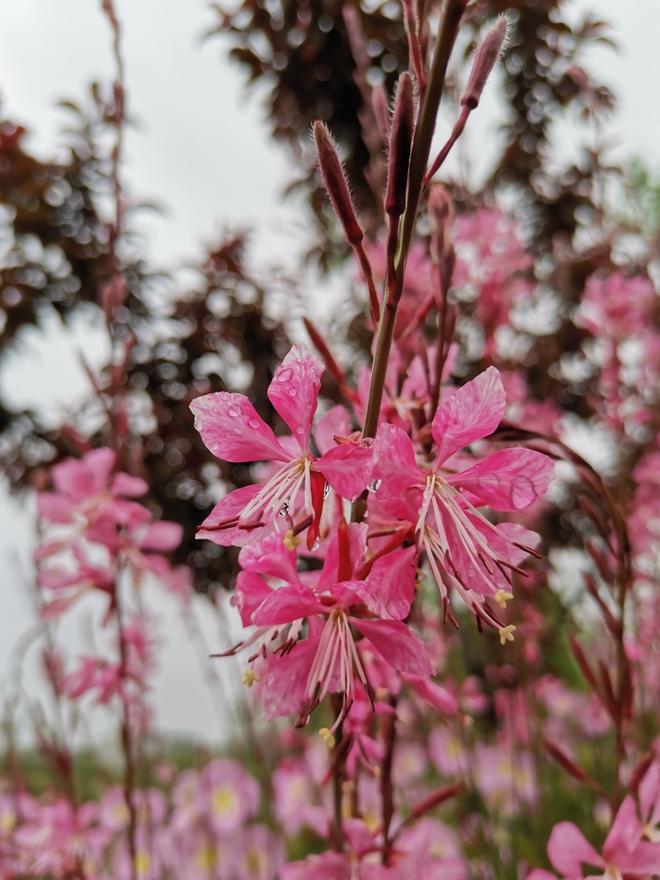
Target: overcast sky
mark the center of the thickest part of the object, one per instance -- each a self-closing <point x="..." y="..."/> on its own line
<point x="202" y="151"/>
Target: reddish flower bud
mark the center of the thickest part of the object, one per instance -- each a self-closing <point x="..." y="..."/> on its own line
<point x="379" y="105"/>
<point x="484" y="61"/>
<point x="401" y="134"/>
<point x="334" y="181"/>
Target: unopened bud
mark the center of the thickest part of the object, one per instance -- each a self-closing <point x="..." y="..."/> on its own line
<point x="439" y="204"/>
<point x="484" y="61"/>
<point x="401" y="134"/>
<point x="335" y="183"/>
<point x="379" y="106"/>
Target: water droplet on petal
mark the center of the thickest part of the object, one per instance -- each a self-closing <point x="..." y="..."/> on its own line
<point x="254" y="423"/>
<point x="374" y="485"/>
<point x="326" y="491"/>
<point x="234" y="411"/>
<point x="285" y="375"/>
<point x="316" y="545"/>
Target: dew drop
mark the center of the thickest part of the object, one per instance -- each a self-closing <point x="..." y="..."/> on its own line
<point x="316" y="545"/>
<point x="374" y="485"/>
<point x="326" y="491"/>
<point x="285" y="375"/>
<point x="254" y="423"/>
<point x="234" y="411"/>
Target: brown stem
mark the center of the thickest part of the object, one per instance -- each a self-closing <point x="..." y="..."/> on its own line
<point x="457" y="131"/>
<point x="338" y="781"/>
<point x="386" y="787"/>
<point x="449" y="22"/>
<point x="127" y="742"/>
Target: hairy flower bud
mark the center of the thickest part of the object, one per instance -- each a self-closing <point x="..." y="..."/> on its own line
<point x="379" y="106"/>
<point x="334" y="181"/>
<point x="401" y="134"/>
<point x="484" y="61"/>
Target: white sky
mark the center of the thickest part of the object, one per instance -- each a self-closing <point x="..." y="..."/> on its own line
<point x="201" y="151"/>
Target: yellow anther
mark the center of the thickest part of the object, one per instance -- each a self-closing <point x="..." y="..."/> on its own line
<point x="502" y="597"/>
<point x="506" y="633"/>
<point x="291" y="541"/>
<point x="249" y="677"/>
<point x="327" y="737"/>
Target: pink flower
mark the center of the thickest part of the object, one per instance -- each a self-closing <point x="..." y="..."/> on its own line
<point x="466" y="552"/>
<point x="340" y="604"/>
<point x="625" y="852"/>
<point x="229" y="795"/>
<point x="232" y="430"/>
<point x="87" y="488"/>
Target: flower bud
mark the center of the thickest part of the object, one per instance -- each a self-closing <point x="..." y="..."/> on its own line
<point x="334" y="181"/>
<point x="379" y="106"/>
<point x="401" y="135"/>
<point x="484" y="61"/>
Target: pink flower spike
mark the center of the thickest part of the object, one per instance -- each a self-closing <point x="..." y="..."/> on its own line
<point x="232" y="429"/>
<point x="294" y="392"/>
<point x="510" y="479"/>
<point x="471" y="413"/>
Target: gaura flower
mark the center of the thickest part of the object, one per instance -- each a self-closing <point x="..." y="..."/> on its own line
<point x="233" y="430"/>
<point x="466" y="552"/>
<point x="625" y="854"/>
<point x="342" y="602"/>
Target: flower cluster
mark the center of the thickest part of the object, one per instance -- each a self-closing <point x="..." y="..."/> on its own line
<point x="321" y="592"/>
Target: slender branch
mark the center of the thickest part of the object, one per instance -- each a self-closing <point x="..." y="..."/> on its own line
<point x="386" y="787"/>
<point x="451" y="16"/>
<point x="127" y="740"/>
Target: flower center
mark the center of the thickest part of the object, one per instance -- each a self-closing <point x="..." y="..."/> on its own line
<point x="278" y="495"/>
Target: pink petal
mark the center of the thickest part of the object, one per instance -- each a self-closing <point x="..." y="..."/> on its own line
<point x="233" y="430"/>
<point x="161" y="536"/>
<point x="568" y="850"/>
<point x="390" y="586"/>
<point x="470" y="413"/>
<point x="643" y="862"/>
<point x="507" y="480"/>
<point x="434" y="694"/>
<point x="335" y="422"/>
<point x="394" y="461"/>
<point x="128" y="485"/>
<point x="270" y="558"/>
<point x="625" y="833"/>
<point x="282" y="686"/>
<point x="356" y="546"/>
<point x="347" y="468"/>
<point x="227" y="510"/>
<point x="294" y="392"/>
<point x="100" y="463"/>
<point x="54" y="507"/>
<point x="397" y="645"/>
<point x="251" y="591"/>
<point x="286" y="605"/>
